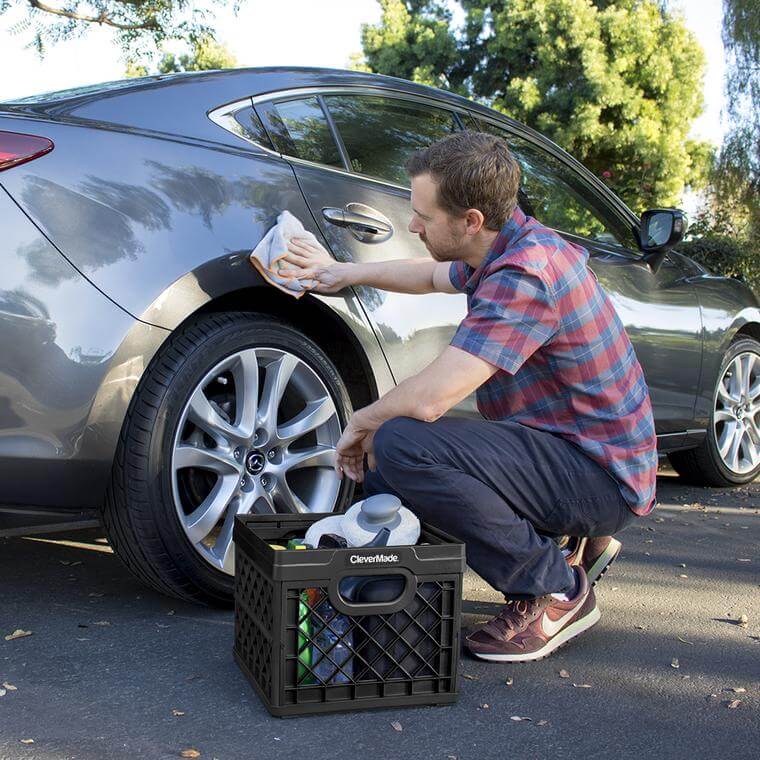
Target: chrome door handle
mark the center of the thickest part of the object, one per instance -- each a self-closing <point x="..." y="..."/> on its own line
<point x="366" y="227"/>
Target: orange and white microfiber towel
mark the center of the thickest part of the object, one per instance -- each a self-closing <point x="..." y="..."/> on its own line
<point x="268" y="256"/>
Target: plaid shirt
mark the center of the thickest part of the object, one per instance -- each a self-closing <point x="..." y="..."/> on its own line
<point x="536" y="311"/>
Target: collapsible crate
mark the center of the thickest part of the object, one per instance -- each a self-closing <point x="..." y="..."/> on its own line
<point x="307" y="649"/>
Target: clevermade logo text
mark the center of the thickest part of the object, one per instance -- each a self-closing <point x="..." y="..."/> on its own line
<point x="369" y="559"/>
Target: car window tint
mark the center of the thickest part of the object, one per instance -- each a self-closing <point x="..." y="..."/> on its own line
<point x="381" y="133"/>
<point x="558" y="197"/>
<point x="299" y="128"/>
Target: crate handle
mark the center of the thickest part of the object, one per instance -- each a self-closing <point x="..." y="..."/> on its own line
<point x="372" y="608"/>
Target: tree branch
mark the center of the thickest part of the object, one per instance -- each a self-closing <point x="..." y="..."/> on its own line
<point x="103" y="18"/>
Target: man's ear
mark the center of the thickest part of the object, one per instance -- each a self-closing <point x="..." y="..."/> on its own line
<point x="474" y="221"/>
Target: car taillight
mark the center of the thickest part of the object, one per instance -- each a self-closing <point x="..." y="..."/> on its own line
<point x="16" y="148"/>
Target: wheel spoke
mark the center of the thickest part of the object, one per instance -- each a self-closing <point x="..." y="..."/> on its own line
<point x="732" y="455"/>
<point x="277" y="377"/>
<point x="315" y="413"/>
<point x="724" y="395"/>
<point x="207" y="459"/>
<point x="723" y="415"/>
<point x="316" y="456"/>
<point x="737" y="378"/>
<point x="203" y="414"/>
<point x="285" y="497"/>
<point x="224" y="547"/>
<point x="246" y="374"/>
<point x="201" y="521"/>
<point x="256" y="501"/>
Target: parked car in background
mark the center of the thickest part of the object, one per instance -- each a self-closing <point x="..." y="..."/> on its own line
<point x="147" y="371"/>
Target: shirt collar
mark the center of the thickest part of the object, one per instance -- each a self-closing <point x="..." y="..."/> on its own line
<point x="501" y="243"/>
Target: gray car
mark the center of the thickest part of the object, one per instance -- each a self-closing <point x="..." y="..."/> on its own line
<point x="148" y="372"/>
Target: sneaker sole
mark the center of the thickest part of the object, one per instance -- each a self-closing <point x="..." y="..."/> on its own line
<point x="603" y="561"/>
<point x="562" y="638"/>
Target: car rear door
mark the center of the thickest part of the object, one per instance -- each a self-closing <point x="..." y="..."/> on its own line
<point x="347" y="149"/>
<point x="658" y="308"/>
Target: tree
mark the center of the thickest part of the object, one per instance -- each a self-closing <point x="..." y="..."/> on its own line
<point x="205" y="54"/>
<point x="140" y="25"/>
<point x="617" y="84"/>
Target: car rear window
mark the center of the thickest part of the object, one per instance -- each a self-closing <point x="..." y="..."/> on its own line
<point x="380" y="133"/>
<point x="299" y="128"/>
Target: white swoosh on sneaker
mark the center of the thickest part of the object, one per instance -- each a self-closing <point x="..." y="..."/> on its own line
<point x="552" y="627"/>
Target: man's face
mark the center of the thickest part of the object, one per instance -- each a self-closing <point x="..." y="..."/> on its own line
<point x="442" y="234"/>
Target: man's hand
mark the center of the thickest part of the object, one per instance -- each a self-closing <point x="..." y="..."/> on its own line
<point x="312" y="261"/>
<point x="355" y="442"/>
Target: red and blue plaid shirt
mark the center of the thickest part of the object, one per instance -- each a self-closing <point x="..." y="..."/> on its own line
<point x="536" y="311"/>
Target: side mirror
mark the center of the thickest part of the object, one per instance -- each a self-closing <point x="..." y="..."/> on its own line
<point x="661" y="229"/>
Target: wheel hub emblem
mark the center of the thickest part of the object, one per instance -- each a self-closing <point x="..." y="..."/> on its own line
<point x="255" y="462"/>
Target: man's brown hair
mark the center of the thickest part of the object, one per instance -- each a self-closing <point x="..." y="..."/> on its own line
<point x="471" y="170"/>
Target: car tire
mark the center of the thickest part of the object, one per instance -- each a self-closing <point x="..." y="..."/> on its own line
<point x="144" y="524"/>
<point x="706" y="465"/>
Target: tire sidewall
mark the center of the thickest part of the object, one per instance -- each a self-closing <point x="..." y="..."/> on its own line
<point x="244" y="331"/>
<point x="738" y="347"/>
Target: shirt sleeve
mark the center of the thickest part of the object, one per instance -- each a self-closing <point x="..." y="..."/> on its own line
<point x="458" y="274"/>
<point x="512" y="313"/>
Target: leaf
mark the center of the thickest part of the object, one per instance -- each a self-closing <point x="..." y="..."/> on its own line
<point x="743" y="621"/>
<point x="9" y="686"/>
<point x="674" y="663"/>
<point x="177" y="713"/>
<point x="469" y="677"/>
<point x="17" y="634"/>
<point x="518" y="718"/>
<point x="2" y="692"/>
<point x="27" y="741"/>
<point x="582" y="685"/>
<point x="95" y="593"/>
<point x="564" y="674"/>
<point x="191" y="752"/>
<point x="734" y="689"/>
<point x="397" y="726"/>
<point x="542" y="723"/>
<point x="102" y="622"/>
<point x="684" y="641"/>
<point x="733" y="704"/>
<point x="509" y="681"/>
<point x="485" y="706"/>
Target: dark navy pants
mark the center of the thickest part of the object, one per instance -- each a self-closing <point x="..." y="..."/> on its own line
<point x="504" y="489"/>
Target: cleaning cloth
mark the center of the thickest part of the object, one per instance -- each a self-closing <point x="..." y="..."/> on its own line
<point x="268" y="256"/>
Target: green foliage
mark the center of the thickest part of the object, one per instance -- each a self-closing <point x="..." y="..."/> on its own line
<point x="140" y="25"/>
<point x="205" y="54"/>
<point x="617" y="84"/>
<point x="728" y="256"/>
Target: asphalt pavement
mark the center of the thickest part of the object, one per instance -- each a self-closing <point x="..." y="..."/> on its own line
<point x="672" y="670"/>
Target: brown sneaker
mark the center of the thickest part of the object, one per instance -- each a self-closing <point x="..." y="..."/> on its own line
<point x="595" y="555"/>
<point x="531" y="629"/>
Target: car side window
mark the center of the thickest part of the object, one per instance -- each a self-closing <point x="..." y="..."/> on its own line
<point x="380" y="133"/>
<point x="557" y="197"/>
<point x="299" y="128"/>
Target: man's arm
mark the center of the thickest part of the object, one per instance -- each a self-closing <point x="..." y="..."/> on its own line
<point x="397" y="275"/>
<point x="425" y="396"/>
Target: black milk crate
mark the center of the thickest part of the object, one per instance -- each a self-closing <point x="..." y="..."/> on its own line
<point x="307" y="649"/>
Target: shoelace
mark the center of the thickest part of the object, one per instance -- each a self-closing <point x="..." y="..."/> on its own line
<point x="514" y="616"/>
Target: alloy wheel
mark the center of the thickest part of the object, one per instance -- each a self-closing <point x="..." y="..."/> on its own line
<point x="736" y="420"/>
<point x="257" y="435"/>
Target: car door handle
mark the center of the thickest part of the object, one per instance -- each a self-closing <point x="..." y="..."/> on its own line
<point x="366" y="227"/>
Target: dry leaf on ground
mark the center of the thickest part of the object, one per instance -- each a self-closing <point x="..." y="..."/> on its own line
<point x="542" y="723"/>
<point x="9" y="686"/>
<point x="518" y="718"/>
<point x="397" y="726"/>
<point x="177" y="713"/>
<point x="743" y="621"/>
<point x="733" y="704"/>
<point x="685" y="641"/>
<point x="674" y="663"/>
<point x="27" y="741"/>
<point x="101" y="622"/>
<point x="17" y="634"/>
<point x="582" y="685"/>
<point x="564" y="674"/>
<point x="469" y="677"/>
<point x="191" y="752"/>
<point x="2" y="692"/>
<point x="734" y="689"/>
<point x="509" y="681"/>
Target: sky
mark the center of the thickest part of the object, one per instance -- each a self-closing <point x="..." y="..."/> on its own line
<point x="256" y="38"/>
